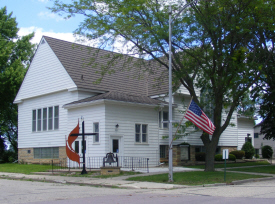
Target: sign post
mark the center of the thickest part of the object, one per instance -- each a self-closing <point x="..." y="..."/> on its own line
<point x="225" y="157"/>
<point x="83" y="134"/>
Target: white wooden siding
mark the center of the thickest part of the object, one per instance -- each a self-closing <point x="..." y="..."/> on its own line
<point x="45" y="75"/>
<point x="245" y="126"/>
<point x="91" y="114"/>
<point x="27" y="138"/>
<point x="183" y="90"/>
<point x="126" y="116"/>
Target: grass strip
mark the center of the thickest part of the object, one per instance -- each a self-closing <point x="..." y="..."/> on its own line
<point x="195" y="178"/>
<point x="232" y="165"/>
<point x="122" y="173"/>
<point x="265" y="169"/>
<point x="24" y="168"/>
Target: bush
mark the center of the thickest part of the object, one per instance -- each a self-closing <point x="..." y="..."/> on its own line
<point x="249" y="150"/>
<point x="257" y="156"/>
<point x="239" y="154"/>
<point x="218" y="157"/>
<point x="200" y="156"/>
<point x="231" y="157"/>
<point x="267" y="151"/>
<point x="8" y="156"/>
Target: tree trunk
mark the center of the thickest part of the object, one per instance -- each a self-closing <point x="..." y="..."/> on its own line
<point x="210" y="157"/>
<point x="210" y="150"/>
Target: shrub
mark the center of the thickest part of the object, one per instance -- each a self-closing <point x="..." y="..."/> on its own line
<point x="249" y="150"/>
<point x="239" y="154"/>
<point x="200" y="156"/>
<point x="8" y="156"/>
<point x="257" y="156"/>
<point x="218" y="157"/>
<point x="231" y="157"/>
<point x="267" y="151"/>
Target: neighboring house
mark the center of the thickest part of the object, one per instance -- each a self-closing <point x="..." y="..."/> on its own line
<point x="259" y="142"/>
<point x="125" y="110"/>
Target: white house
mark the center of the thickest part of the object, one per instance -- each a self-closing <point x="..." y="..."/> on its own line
<point x="126" y="112"/>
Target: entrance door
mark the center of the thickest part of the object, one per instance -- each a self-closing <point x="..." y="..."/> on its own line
<point x="116" y="145"/>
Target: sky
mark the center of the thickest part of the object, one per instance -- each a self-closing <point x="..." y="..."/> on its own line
<point x="33" y="16"/>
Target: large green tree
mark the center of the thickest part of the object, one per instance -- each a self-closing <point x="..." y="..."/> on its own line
<point x="214" y="45"/>
<point x="15" y="56"/>
<point x="264" y="90"/>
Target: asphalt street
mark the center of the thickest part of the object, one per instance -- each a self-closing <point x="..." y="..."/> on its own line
<point x="22" y="191"/>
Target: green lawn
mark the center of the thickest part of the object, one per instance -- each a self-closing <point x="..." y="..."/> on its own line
<point x="232" y="165"/>
<point x="265" y="169"/>
<point x="24" y="168"/>
<point x="195" y="178"/>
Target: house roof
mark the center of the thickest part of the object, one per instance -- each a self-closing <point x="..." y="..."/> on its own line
<point x="118" y="96"/>
<point x="84" y="65"/>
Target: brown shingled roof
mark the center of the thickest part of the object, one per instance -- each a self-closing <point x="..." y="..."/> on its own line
<point x="118" y="96"/>
<point x="124" y="77"/>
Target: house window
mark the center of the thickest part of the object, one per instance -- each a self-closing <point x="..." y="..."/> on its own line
<point x="162" y="151"/>
<point x="46" y="153"/>
<point x="96" y="130"/>
<point x="56" y="117"/>
<point x="141" y="133"/>
<point x="33" y="120"/>
<point x="39" y="119"/>
<point x="44" y="119"/>
<point x="199" y="149"/>
<point x="50" y="118"/>
<point x="76" y="146"/>
<point x="256" y="135"/>
<point x="163" y="116"/>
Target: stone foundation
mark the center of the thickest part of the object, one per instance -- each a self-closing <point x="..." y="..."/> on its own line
<point x="110" y="170"/>
<point x="26" y="155"/>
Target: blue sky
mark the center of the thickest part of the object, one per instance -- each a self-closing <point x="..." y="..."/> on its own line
<point x="33" y="15"/>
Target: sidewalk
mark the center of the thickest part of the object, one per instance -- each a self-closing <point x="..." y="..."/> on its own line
<point x="118" y="182"/>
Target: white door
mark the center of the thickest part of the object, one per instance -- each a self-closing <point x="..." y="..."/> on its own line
<point x="116" y="145"/>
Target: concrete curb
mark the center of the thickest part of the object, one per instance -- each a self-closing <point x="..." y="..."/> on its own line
<point x="123" y="184"/>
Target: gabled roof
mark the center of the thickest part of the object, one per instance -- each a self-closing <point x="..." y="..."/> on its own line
<point x="117" y="96"/>
<point x="125" y="78"/>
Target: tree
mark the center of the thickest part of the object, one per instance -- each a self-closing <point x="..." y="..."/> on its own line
<point x="214" y="45"/>
<point x="248" y="149"/>
<point x="264" y="90"/>
<point x="15" y="57"/>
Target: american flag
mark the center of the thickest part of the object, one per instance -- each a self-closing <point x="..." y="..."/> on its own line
<point x="198" y="117"/>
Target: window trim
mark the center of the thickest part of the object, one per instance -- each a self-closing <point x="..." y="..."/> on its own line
<point x="39" y="120"/>
<point x="140" y="133"/>
<point x="48" y="123"/>
<point x="34" y="120"/>
<point x="44" y="120"/>
<point x="161" y="119"/>
<point x="96" y="137"/>
<point x="56" y="118"/>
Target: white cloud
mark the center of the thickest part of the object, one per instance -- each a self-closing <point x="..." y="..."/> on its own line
<point x="49" y="15"/>
<point x="119" y="45"/>
<point x="43" y="1"/>
<point x="70" y="37"/>
<point x="39" y="33"/>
